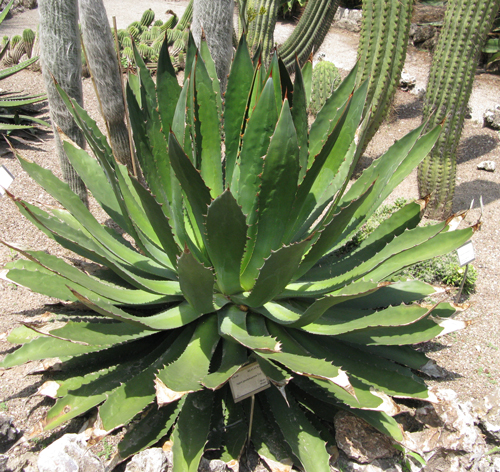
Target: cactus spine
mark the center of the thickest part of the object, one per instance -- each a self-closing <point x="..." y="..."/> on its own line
<point x="325" y="79"/>
<point x="103" y="64"/>
<point x="309" y="32"/>
<point x="466" y="26"/>
<point x="381" y="54"/>
<point x="61" y="57"/>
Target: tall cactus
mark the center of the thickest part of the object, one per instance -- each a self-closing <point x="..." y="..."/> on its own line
<point x="261" y="28"/>
<point x="465" y="28"/>
<point x="381" y="54"/>
<point x="310" y="31"/>
<point x="103" y="64"/>
<point x="61" y="58"/>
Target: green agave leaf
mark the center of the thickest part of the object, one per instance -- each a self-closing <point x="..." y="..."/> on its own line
<point x="236" y="429"/>
<point x="196" y="282"/>
<point x="22" y="335"/>
<point x="204" y="52"/>
<point x="189" y="370"/>
<point x="25" y="118"/>
<point x="259" y="130"/>
<point x="232" y="323"/>
<point x="239" y="84"/>
<point x="307" y="79"/>
<point x="281" y="312"/>
<point x="189" y="442"/>
<point x="234" y="355"/>
<point x="170" y="318"/>
<point x="10" y="127"/>
<point x="208" y="120"/>
<point x="18" y="102"/>
<point x="337" y="321"/>
<point x="267" y="437"/>
<point x="404" y="355"/>
<point x="61" y="192"/>
<point x="277" y="271"/>
<point x="155" y="424"/>
<point x="225" y="217"/>
<point x="135" y="394"/>
<point x="45" y="348"/>
<point x="384" y="375"/>
<point x="96" y="181"/>
<point x="100" y="334"/>
<point x="407" y="217"/>
<point x="420" y="331"/>
<point x="274" y="73"/>
<point x="277" y="193"/>
<point x="299" y="433"/>
<point x="300" y="116"/>
<point x="168" y="89"/>
<point x="5" y="11"/>
<point x="273" y="372"/>
<point x="98" y="388"/>
<point x="381" y="421"/>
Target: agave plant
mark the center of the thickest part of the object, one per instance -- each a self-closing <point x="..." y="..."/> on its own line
<point x="233" y="257"/>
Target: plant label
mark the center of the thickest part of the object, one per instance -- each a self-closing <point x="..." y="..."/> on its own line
<point x="465" y="254"/>
<point x="248" y="381"/>
<point x="6" y="178"/>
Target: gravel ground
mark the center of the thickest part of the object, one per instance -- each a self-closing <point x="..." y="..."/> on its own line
<point x="470" y="357"/>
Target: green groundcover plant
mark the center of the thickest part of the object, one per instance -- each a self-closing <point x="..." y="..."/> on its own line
<point x="231" y="259"/>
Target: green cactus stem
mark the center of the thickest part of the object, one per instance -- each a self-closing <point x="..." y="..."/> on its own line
<point x="29" y="41"/>
<point x="325" y="79"/>
<point x="465" y="28"/>
<point x="381" y="54"/>
<point x="16" y="39"/>
<point x="261" y="28"/>
<point x="147" y="18"/>
<point x="186" y="18"/>
<point x="309" y="33"/>
<point x="61" y="59"/>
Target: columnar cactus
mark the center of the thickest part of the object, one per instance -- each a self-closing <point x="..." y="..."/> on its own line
<point x="309" y="32"/>
<point x="325" y="79"/>
<point x="147" y="18"/>
<point x="381" y="54"/>
<point x="29" y="40"/>
<point x="104" y="66"/>
<point x="61" y="59"/>
<point x="466" y="26"/>
<point x="261" y="28"/>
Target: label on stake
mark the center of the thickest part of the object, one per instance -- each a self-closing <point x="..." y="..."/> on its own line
<point x="465" y="254"/>
<point x="248" y="381"/>
<point x="6" y="178"/>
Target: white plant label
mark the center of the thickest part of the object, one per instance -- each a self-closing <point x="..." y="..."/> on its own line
<point x="465" y="254"/>
<point x="248" y="381"/>
<point x="6" y="178"/>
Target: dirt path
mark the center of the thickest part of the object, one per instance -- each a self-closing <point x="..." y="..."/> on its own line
<point x="471" y="357"/>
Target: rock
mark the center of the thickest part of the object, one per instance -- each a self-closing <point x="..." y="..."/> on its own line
<point x="69" y="454"/>
<point x="492" y="117"/>
<point x="150" y="460"/>
<point x="8" y="432"/>
<point x="450" y="427"/>
<point x="21" y="463"/>
<point x="3" y="463"/>
<point x="360" y="441"/>
<point x="379" y="465"/>
<point x="489" y="166"/>
<point x="348" y="19"/>
<point x="422" y="33"/>
<point x="487" y="464"/>
<point x="407" y="81"/>
<point x="427" y="13"/>
<point x="419" y="92"/>
<point x="488" y="415"/>
<point x="213" y="466"/>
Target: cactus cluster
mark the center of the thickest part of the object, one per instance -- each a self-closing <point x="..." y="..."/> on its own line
<point x="148" y="35"/>
<point x="325" y="79"/>
<point x="18" y="46"/>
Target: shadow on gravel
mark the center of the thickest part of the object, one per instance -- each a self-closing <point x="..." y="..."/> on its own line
<point x="475" y="189"/>
<point x="476" y="146"/>
<point x="410" y="110"/>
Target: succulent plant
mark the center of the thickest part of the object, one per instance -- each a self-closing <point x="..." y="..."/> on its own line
<point x="325" y="79"/>
<point x="466" y="26"/>
<point x="147" y="18"/>
<point x="134" y="31"/>
<point x="29" y="40"/>
<point x="233" y="261"/>
<point x="16" y="112"/>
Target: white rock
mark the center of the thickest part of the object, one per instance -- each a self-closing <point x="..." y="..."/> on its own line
<point x="69" y="454"/>
<point x="489" y="166"/>
<point x="150" y="460"/>
<point x="407" y="81"/>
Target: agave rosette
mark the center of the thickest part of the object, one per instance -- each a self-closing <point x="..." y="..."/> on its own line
<point x="235" y="258"/>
